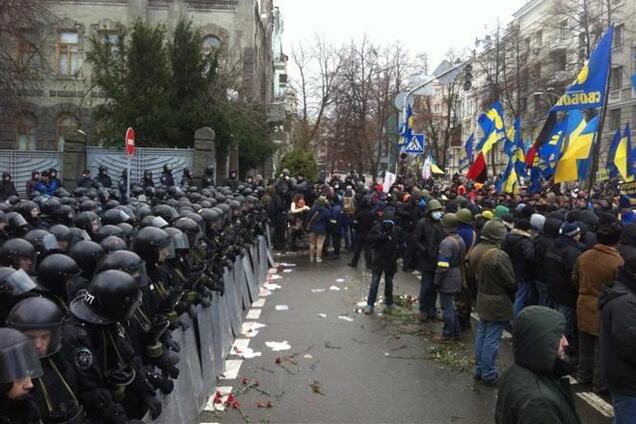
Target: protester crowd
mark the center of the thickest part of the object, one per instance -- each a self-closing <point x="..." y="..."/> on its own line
<point x="94" y="284"/>
<point x="556" y="268"/>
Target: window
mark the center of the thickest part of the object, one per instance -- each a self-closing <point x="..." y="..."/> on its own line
<point x="211" y="43"/>
<point x="25" y="132"/>
<point x="66" y="123"/>
<point x="536" y="71"/>
<point x="67" y="53"/>
<point x="564" y="30"/>
<point x="436" y="108"/>
<point x="526" y="43"/>
<point x="282" y="78"/>
<point x="110" y="38"/>
<point x="619" y="35"/>
<point x="614" y="119"/>
<point x="616" y="78"/>
<point x="559" y="61"/>
<point x="538" y="38"/>
<point x="24" y="50"/>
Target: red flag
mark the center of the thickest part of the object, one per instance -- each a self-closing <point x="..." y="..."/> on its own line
<point x="478" y="170"/>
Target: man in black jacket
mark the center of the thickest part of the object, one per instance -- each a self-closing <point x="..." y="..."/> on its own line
<point x="387" y="242"/>
<point x="427" y="237"/>
<point x="363" y="221"/>
<point x="519" y="245"/>
<point x="559" y="263"/>
<point x="618" y="341"/>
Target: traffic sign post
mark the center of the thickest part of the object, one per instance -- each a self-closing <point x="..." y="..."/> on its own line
<point x="129" y="141"/>
<point x="415" y="145"/>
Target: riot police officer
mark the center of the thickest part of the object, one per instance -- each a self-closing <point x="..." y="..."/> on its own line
<point x="102" y="356"/>
<point x="56" y="274"/>
<point x="208" y="176"/>
<point x="103" y="178"/>
<point x="147" y="180"/>
<point x="19" y="365"/>
<point x="166" y="176"/>
<point x="55" y="392"/>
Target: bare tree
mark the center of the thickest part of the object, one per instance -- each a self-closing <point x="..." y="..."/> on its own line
<point x="22" y="60"/>
<point x="318" y="67"/>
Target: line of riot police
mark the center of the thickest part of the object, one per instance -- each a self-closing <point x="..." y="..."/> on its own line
<point x="91" y="291"/>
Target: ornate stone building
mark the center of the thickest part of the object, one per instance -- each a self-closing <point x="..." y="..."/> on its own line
<point x="65" y="97"/>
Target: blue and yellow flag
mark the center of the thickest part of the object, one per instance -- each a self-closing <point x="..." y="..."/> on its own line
<point x="508" y="181"/>
<point x="469" y="147"/>
<point x="550" y="152"/>
<point x="619" y="159"/>
<point x="407" y="128"/>
<point x="518" y="150"/>
<point x="575" y="162"/>
<point x="492" y="125"/>
<point x="588" y="90"/>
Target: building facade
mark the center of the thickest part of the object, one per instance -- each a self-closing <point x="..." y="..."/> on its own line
<point x="65" y="97"/>
<point x="528" y="63"/>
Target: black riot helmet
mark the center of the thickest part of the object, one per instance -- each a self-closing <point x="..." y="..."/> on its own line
<point x="14" y="283"/>
<point x="112" y="244"/>
<point x="180" y="240"/>
<point x="209" y="170"/>
<point x="127" y="261"/>
<point x="35" y="315"/>
<point x="107" y="231"/>
<point x="190" y="228"/>
<point x="63" y="235"/>
<point x="18" y="254"/>
<point x="67" y="214"/>
<point x="17" y="225"/>
<point x="114" y="217"/>
<point x="18" y="359"/>
<point x="28" y="209"/>
<point x="88" y="221"/>
<point x="44" y="243"/>
<point x="79" y="234"/>
<point x="167" y="168"/>
<point x="55" y="271"/>
<point x="51" y="207"/>
<point x="210" y="216"/>
<point x="87" y="254"/>
<point x="148" y="174"/>
<point x="149" y="241"/>
<point x="112" y="296"/>
<point x="168" y="213"/>
<point x="87" y="206"/>
<point x="127" y="232"/>
<point x="102" y="169"/>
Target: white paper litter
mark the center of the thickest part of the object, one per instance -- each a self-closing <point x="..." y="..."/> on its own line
<point x="250" y="328"/>
<point x="271" y="286"/>
<point x="345" y="318"/>
<point x="287" y="264"/>
<point x="264" y="292"/>
<point x="282" y="307"/>
<point x="287" y="270"/>
<point x="362" y="304"/>
<point x="211" y="406"/>
<point x="322" y="315"/>
<point x="278" y="346"/>
<point x="334" y="288"/>
<point x="308" y="356"/>
<point x="275" y="277"/>
<point x="318" y="290"/>
<point x="340" y="280"/>
<point x="246" y="352"/>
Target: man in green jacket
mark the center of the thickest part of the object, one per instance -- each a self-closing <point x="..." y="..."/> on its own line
<point x="490" y="267"/>
<point x="533" y="389"/>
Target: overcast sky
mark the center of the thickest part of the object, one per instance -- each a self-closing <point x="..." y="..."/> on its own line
<point x="430" y="26"/>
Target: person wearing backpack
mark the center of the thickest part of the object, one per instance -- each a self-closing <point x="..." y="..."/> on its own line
<point x="317" y="224"/>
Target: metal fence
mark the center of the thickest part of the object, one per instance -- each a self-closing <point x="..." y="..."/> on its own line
<point x="145" y="158"/>
<point x="21" y="163"/>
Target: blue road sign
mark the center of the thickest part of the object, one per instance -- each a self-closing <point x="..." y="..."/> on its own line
<point x="415" y="145"/>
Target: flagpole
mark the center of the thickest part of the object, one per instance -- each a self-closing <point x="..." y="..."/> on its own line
<point x="598" y="136"/>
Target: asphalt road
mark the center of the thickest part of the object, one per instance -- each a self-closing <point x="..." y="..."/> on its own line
<point x="346" y="367"/>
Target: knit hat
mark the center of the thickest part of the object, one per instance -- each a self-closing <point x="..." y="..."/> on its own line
<point x="487" y="215"/>
<point x="501" y="210"/>
<point x="570" y="229"/>
<point x="537" y="221"/>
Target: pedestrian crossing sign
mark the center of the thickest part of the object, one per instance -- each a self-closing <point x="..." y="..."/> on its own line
<point x="415" y="145"/>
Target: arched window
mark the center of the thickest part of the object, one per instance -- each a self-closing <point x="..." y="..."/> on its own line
<point x="210" y="44"/>
<point x="65" y="123"/>
<point x="25" y="129"/>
